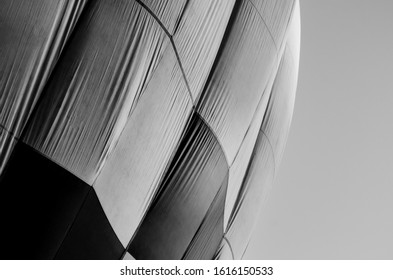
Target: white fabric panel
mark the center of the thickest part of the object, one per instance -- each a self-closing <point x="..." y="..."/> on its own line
<point x="239" y="80"/>
<point x="279" y="112"/>
<point x="274" y="132"/>
<point x="168" y="12"/>
<point x="255" y="188"/>
<point x="32" y="35"/>
<point x="131" y="174"/>
<point x="98" y="81"/>
<point x="239" y="166"/>
<point x="276" y="15"/>
<point x="198" y="38"/>
<point x="293" y="38"/>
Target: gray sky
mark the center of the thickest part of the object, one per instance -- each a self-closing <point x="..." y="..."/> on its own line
<point x="333" y="196"/>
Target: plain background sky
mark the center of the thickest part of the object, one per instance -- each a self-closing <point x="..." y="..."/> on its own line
<point x="333" y="195"/>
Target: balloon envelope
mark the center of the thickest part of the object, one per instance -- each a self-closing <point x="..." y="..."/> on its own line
<point x="141" y="129"/>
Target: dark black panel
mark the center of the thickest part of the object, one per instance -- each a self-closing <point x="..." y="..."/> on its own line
<point x="186" y="193"/>
<point x="38" y="202"/>
<point x="91" y="236"/>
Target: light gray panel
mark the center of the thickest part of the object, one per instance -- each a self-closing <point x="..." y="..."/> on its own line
<point x="32" y="33"/>
<point x="168" y="12"/>
<point x="276" y="15"/>
<point x="239" y="165"/>
<point x="198" y="38"/>
<point x="280" y="108"/>
<point x="98" y="81"/>
<point x="128" y="256"/>
<point x="253" y="193"/>
<point x="133" y="170"/>
<point x="239" y="79"/>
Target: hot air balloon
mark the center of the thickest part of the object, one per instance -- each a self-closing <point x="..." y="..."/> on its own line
<point x="141" y="129"/>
